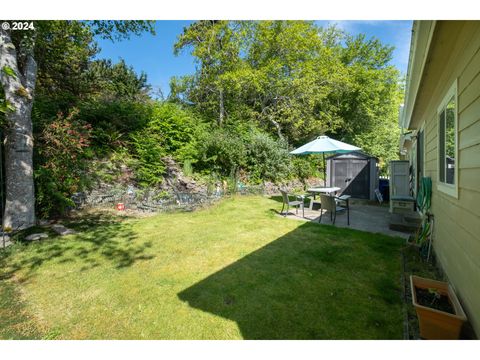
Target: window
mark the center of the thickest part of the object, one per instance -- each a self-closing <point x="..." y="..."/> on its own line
<point x="447" y="143"/>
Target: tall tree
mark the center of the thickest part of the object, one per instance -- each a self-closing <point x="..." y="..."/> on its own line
<point x="116" y="81"/>
<point x="371" y="97"/>
<point x="296" y="72"/>
<point x="216" y="46"/>
<point x="294" y="80"/>
<point x="18" y="75"/>
<point x="276" y="73"/>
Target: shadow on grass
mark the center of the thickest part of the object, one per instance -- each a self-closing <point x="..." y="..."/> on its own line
<point x="100" y="238"/>
<point x="14" y="322"/>
<point x="316" y="282"/>
<point x="277" y="198"/>
<point x="292" y="197"/>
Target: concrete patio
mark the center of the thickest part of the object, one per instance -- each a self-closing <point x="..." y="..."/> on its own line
<point x="363" y="216"/>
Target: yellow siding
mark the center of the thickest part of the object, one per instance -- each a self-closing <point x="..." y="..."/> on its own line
<point x="469" y="94"/>
<point x="469" y="115"/>
<point x="470" y="157"/>
<point x="455" y="55"/>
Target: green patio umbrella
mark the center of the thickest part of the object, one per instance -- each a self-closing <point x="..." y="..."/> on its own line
<point x="324" y="144"/>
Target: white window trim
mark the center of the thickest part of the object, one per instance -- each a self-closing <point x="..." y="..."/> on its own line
<point x="448" y="189"/>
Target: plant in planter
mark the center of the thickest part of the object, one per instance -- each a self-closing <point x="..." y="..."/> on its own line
<point x="439" y="312"/>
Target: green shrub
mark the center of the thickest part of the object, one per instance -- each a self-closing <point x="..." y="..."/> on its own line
<point x="107" y="137"/>
<point x="187" y="167"/>
<point x="220" y="151"/>
<point x="112" y="120"/>
<point x="149" y="151"/>
<point x="174" y="124"/>
<point x="169" y="131"/>
<point x="124" y="115"/>
<point x="267" y="159"/>
<point x="304" y="167"/>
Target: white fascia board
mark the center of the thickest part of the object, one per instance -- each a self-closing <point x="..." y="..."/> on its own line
<point x="419" y="49"/>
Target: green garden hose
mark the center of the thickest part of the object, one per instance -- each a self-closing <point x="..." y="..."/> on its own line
<point x="424" y="202"/>
<point x="424" y="196"/>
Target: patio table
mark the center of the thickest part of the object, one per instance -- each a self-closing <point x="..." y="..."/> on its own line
<point x="321" y="190"/>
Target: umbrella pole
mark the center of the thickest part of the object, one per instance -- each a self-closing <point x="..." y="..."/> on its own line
<point x="324" y="171"/>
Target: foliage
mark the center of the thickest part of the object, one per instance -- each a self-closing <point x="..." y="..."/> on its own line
<point x="216" y="48"/>
<point x="187" y="168"/>
<point x="62" y="60"/>
<point x="114" y="99"/>
<point x="270" y="72"/>
<point x="266" y="158"/>
<point x="174" y="124"/>
<point x="116" y="81"/>
<point x="62" y="154"/>
<point x="221" y="151"/>
<point x="170" y="130"/>
<point x="449" y="128"/>
<point x="293" y="80"/>
<point x="371" y="100"/>
<point x="62" y="51"/>
<point x="304" y="167"/>
<point x="113" y="120"/>
<point x="259" y="88"/>
<point x="149" y="151"/>
<point x="121" y="29"/>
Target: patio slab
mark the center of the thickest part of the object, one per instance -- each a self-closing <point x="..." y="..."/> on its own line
<point x="364" y="217"/>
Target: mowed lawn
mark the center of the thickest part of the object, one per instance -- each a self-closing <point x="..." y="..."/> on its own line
<point x="236" y="270"/>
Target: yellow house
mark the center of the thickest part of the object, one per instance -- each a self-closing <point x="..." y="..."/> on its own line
<point x="441" y="126"/>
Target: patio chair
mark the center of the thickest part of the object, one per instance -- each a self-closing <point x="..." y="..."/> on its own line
<point x="287" y="203"/>
<point x="330" y="204"/>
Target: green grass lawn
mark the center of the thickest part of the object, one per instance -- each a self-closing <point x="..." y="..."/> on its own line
<point x="235" y="270"/>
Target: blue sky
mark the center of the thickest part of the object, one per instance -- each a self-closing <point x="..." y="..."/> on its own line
<point x="154" y="54"/>
<point x="394" y="32"/>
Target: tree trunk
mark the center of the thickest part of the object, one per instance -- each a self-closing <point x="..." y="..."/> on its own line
<point x="266" y="111"/>
<point x="277" y="126"/>
<point x="222" y="108"/>
<point x="18" y="88"/>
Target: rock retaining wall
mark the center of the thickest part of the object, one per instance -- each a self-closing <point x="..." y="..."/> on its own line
<point x="177" y="192"/>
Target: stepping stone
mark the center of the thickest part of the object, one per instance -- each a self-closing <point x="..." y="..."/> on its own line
<point x="35" y="237"/>
<point x="62" y="230"/>
<point x="44" y="222"/>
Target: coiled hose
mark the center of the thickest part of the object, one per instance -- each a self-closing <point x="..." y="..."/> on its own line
<point x="424" y="202"/>
<point x="424" y="196"/>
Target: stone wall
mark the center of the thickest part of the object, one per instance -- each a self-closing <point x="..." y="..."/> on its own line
<point x="177" y="192"/>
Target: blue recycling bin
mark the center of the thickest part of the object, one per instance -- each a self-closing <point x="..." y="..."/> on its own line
<point x="384" y="188"/>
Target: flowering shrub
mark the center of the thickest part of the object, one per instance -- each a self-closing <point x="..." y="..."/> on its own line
<point x="62" y="160"/>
